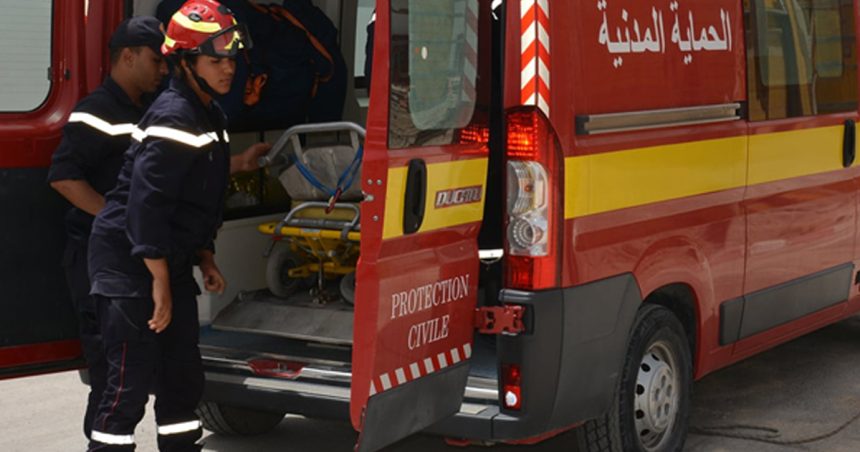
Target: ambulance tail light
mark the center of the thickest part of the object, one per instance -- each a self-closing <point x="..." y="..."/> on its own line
<point x="512" y="396"/>
<point x="475" y="134"/>
<point x="534" y="194"/>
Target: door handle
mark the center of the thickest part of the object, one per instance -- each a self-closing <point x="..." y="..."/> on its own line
<point x="415" y="196"/>
<point x="848" y="143"/>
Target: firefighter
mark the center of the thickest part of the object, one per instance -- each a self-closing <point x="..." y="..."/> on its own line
<point x="86" y="164"/>
<point x="159" y="221"/>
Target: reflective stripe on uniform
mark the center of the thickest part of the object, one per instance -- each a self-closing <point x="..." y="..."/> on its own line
<point x="181" y="427"/>
<point x="107" y="438"/>
<point x="101" y="125"/>
<point x="202" y="27"/>
<point x="180" y="136"/>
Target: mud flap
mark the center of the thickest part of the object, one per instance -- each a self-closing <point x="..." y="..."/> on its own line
<point x="418" y="404"/>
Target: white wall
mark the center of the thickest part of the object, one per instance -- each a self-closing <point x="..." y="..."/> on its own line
<point x="239" y="254"/>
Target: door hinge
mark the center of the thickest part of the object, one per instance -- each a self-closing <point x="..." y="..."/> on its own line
<point x="507" y="320"/>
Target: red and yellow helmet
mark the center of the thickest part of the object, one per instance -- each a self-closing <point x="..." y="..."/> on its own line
<point x="205" y="27"/>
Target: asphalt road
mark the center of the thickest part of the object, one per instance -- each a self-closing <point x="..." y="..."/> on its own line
<point x="801" y="390"/>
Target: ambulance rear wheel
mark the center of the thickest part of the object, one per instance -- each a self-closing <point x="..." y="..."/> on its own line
<point x="650" y="409"/>
<point x="278" y="268"/>
<point x="235" y="421"/>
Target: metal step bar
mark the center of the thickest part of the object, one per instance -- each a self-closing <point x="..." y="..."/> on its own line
<point x="317" y="378"/>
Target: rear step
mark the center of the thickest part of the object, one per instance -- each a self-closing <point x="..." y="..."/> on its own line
<point x="314" y="378"/>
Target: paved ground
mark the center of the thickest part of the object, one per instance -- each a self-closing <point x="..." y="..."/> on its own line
<point x="800" y="390"/>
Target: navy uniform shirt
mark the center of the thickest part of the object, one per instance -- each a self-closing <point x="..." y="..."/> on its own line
<point x="169" y="197"/>
<point x="94" y="141"/>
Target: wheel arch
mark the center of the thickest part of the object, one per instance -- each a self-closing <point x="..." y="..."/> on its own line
<point x="677" y="274"/>
<point x="681" y="300"/>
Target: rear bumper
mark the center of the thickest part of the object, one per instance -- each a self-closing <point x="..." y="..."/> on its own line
<point x="570" y="359"/>
<point x="571" y="355"/>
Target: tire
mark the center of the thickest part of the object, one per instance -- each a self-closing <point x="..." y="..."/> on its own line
<point x="234" y="421"/>
<point x="280" y="262"/>
<point x="347" y="288"/>
<point x="663" y="374"/>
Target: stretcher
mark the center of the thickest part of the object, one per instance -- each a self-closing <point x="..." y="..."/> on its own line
<point x="317" y="241"/>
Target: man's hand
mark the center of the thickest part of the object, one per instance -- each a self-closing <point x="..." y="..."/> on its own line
<point x="213" y="280"/>
<point x="247" y="160"/>
<point x="161" y="295"/>
<point x="163" y="311"/>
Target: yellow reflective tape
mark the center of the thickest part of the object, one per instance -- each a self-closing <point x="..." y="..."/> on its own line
<point x="440" y="177"/>
<point x="169" y="42"/>
<point x="617" y="180"/>
<point x="236" y="38"/>
<point x="785" y="155"/>
<point x="202" y="27"/>
<point x="611" y="181"/>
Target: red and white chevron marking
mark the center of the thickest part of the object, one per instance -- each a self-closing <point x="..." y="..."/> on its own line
<point x="470" y="66"/>
<point x="535" y="53"/>
<point x="418" y="369"/>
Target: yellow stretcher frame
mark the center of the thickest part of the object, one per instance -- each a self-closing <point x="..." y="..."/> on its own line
<point x="313" y="233"/>
<point x="326" y="251"/>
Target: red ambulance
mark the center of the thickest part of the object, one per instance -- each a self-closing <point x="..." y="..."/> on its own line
<point x="571" y="211"/>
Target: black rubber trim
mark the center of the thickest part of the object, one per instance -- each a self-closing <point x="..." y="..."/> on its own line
<point x="774" y="306"/>
<point x="399" y="412"/>
<point x="731" y="314"/>
<point x="571" y="361"/>
<point x="414" y="196"/>
<point x="849" y="140"/>
<point x="273" y="400"/>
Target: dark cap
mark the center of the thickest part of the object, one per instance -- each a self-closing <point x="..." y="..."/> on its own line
<point x="138" y="31"/>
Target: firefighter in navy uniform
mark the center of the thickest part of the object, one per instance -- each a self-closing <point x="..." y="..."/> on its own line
<point x="158" y="222"/>
<point x="86" y="164"/>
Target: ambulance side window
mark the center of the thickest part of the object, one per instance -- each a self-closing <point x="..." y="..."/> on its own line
<point x="434" y="71"/>
<point x="25" y="52"/>
<point x="801" y="58"/>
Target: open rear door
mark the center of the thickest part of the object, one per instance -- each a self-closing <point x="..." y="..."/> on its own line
<point x="424" y="175"/>
<point x="38" y="329"/>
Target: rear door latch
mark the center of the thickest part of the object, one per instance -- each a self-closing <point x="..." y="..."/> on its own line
<point x="507" y="320"/>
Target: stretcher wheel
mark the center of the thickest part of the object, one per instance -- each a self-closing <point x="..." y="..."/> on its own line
<point x="347" y="288"/>
<point x="278" y="279"/>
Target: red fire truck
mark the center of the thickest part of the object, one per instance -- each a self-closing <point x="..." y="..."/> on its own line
<point x="571" y="210"/>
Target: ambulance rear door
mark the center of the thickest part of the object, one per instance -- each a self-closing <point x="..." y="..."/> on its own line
<point x="424" y="176"/>
<point x="42" y="79"/>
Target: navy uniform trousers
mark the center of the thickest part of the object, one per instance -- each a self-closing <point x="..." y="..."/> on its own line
<point x="75" y="264"/>
<point x="92" y="148"/>
<point x="138" y="360"/>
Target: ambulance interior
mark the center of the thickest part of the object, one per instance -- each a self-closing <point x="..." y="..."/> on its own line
<point x="279" y="303"/>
